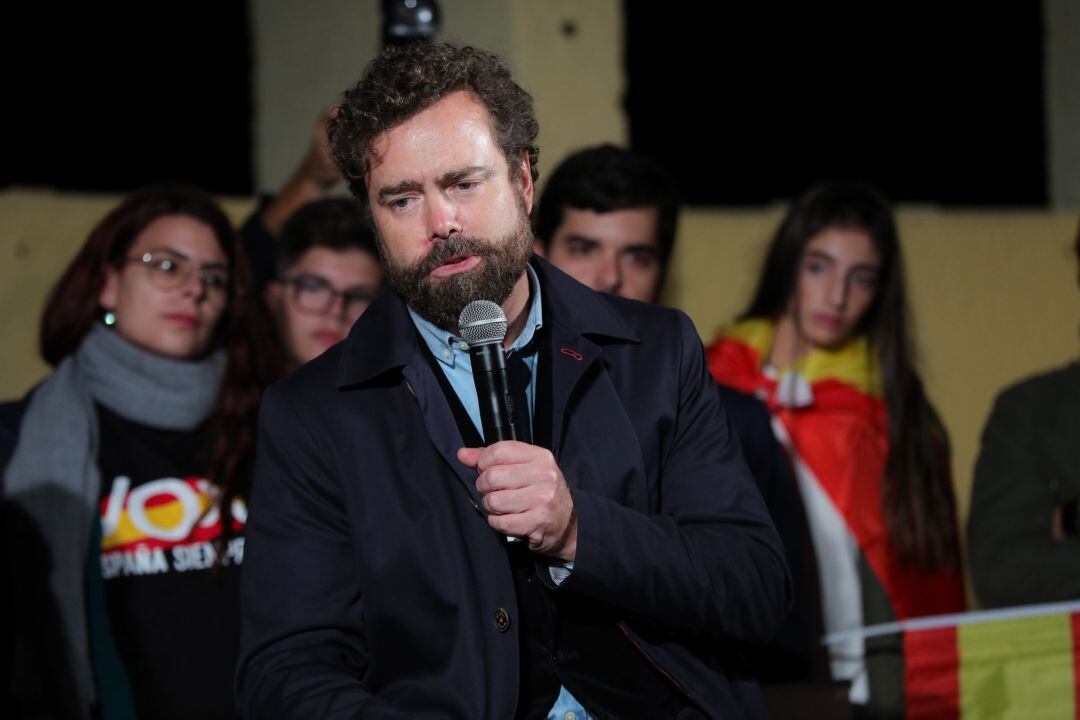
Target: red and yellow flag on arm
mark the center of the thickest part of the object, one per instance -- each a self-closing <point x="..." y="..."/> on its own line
<point x="1021" y="662"/>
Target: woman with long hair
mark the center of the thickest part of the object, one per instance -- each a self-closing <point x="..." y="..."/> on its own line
<point x="129" y="466"/>
<point x="825" y="344"/>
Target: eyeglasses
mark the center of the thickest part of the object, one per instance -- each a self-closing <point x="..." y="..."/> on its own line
<point x="314" y="295"/>
<point x="170" y="270"/>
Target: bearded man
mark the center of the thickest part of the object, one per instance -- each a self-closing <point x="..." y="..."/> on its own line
<point x="378" y="579"/>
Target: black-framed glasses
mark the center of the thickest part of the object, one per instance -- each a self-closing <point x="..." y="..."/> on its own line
<point x="170" y="270"/>
<point x="314" y="295"/>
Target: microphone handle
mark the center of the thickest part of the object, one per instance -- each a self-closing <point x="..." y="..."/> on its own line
<point x="492" y="389"/>
<point x="493" y="392"/>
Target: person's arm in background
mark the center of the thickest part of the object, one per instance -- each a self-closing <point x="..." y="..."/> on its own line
<point x="311" y="180"/>
<point x="795" y="654"/>
<point x="1020" y="484"/>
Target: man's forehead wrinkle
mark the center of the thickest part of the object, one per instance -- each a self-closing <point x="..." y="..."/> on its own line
<point x="476" y="121"/>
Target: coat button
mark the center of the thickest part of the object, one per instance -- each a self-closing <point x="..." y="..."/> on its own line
<point x="502" y="620"/>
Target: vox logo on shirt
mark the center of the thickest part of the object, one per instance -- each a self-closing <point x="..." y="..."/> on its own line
<point x="164" y="525"/>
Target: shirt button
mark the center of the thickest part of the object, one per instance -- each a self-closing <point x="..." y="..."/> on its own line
<point x="446" y="352"/>
<point x="569" y="716"/>
<point x="502" y="620"/>
<point x="463" y="345"/>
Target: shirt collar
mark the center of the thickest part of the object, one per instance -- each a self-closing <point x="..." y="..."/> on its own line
<point x="446" y="347"/>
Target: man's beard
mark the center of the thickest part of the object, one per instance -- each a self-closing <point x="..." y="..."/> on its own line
<point x="440" y="300"/>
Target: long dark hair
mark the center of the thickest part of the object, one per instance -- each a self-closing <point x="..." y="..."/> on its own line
<point x="72" y="309"/>
<point x="917" y="494"/>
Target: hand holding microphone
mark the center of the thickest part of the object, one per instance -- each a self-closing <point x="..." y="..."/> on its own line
<point x="526" y="496"/>
<point x="524" y="491"/>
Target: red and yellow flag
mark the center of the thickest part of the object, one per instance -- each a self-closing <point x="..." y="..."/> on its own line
<point x="1021" y="662"/>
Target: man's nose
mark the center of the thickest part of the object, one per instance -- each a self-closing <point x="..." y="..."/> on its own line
<point x="337" y="306"/>
<point x="442" y="217"/>
<point x="609" y="274"/>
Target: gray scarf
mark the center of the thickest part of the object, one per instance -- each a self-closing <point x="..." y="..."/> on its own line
<point x="53" y="474"/>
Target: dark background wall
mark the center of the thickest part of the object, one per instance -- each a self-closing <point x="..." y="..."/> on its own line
<point x="106" y="98"/>
<point x="937" y="103"/>
<point x="749" y="103"/>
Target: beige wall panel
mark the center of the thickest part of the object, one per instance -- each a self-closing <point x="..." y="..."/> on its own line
<point x="1061" y="22"/>
<point x="576" y="78"/>
<point x="303" y="56"/>
<point x="485" y="24"/>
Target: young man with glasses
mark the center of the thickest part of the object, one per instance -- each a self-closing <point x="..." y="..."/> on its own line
<point x="328" y="273"/>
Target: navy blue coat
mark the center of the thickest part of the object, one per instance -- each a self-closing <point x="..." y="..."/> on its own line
<point x="371" y="578"/>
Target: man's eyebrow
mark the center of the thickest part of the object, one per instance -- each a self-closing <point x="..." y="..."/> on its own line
<point x="480" y="172"/>
<point x="402" y="187"/>
<point x="643" y="247"/>
<point x="582" y="239"/>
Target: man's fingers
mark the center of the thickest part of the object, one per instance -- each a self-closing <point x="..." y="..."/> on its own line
<point x="521" y="524"/>
<point x="516" y="500"/>
<point x="502" y="477"/>
<point x="505" y="477"/>
<point x="509" y="452"/>
<point x="468" y="456"/>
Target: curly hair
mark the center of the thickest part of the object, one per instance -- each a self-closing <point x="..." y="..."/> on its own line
<point x="405" y="80"/>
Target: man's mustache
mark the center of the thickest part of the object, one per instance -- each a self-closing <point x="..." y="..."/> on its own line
<point x="448" y="249"/>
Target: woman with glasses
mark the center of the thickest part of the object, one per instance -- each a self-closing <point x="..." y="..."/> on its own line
<point x="825" y="344"/>
<point x="328" y="274"/>
<point x="124" y="486"/>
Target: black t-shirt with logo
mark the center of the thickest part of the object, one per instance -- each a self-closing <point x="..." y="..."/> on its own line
<point x="174" y="611"/>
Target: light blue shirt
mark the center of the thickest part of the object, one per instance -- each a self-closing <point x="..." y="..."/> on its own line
<point x="453" y="355"/>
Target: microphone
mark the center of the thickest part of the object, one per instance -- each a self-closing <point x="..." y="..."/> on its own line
<point x="482" y="324"/>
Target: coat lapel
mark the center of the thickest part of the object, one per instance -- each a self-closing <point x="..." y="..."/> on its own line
<point x="439" y="421"/>
<point x="571" y="356"/>
<point x="576" y="315"/>
<point x="400" y="350"/>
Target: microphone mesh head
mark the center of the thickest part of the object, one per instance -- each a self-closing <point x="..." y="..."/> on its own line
<point x="482" y="322"/>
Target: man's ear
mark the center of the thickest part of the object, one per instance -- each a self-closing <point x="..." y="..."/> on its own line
<point x="525" y="174"/>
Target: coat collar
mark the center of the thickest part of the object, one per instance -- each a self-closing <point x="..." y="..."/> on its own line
<point x="384" y="338"/>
